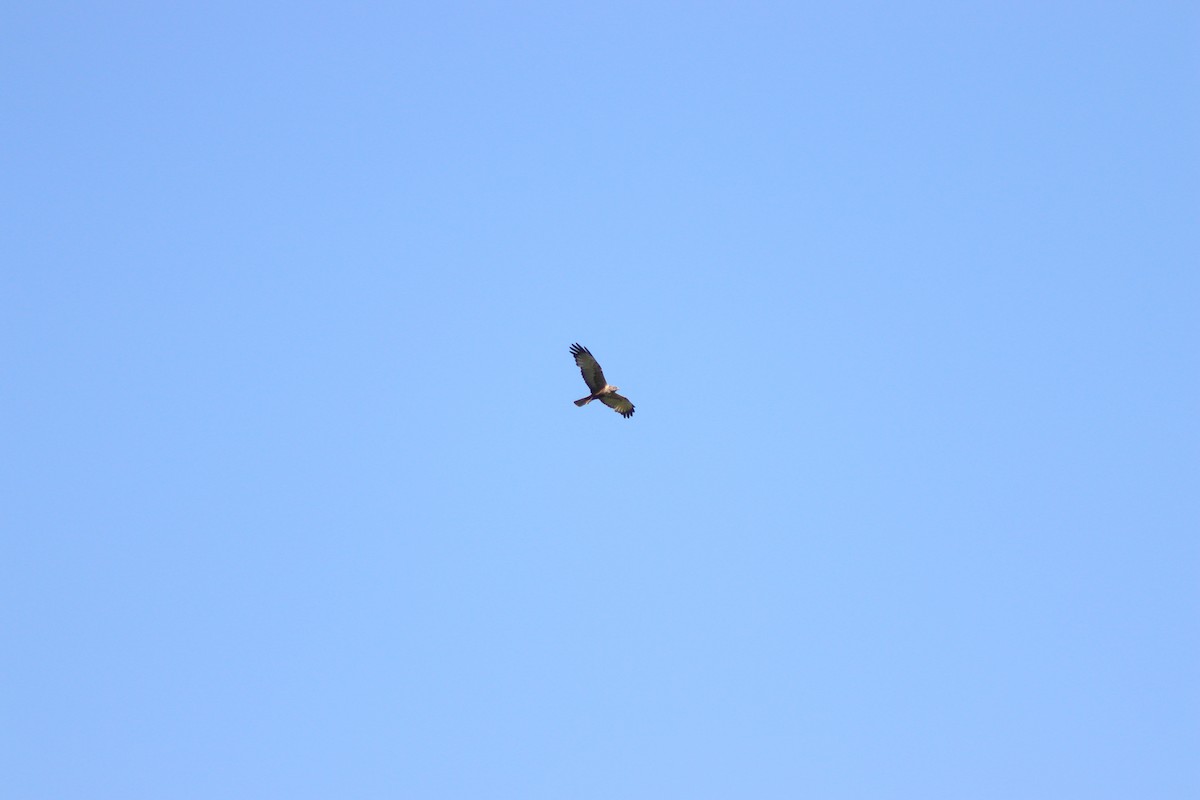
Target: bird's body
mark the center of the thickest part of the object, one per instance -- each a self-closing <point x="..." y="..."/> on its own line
<point x="596" y="395"/>
<point x="600" y="389"/>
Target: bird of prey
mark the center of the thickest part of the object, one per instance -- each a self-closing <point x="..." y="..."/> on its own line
<point x="599" y="388"/>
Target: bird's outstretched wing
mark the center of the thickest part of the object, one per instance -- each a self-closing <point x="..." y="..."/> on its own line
<point x="619" y="404"/>
<point x="593" y="376"/>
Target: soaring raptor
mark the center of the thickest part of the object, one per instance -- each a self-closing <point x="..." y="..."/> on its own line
<point x="599" y="388"/>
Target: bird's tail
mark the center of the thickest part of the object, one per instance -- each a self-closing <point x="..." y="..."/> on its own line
<point x="584" y="400"/>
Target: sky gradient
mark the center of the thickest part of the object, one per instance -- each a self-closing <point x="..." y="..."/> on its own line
<point x="295" y="502"/>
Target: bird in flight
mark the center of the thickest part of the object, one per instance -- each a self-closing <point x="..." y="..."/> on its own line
<point x="593" y="376"/>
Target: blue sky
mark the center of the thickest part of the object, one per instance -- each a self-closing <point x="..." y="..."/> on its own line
<point x="295" y="501"/>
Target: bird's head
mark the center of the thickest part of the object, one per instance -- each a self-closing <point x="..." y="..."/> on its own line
<point x="616" y="388"/>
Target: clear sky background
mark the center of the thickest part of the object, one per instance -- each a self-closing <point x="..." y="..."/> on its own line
<point x="295" y="500"/>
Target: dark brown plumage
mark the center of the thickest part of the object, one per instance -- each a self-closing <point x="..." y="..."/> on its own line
<point x="593" y="376"/>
